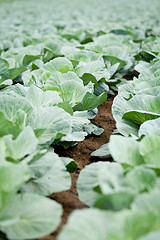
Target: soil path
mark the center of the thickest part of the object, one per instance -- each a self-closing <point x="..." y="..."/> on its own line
<point x="81" y="154"/>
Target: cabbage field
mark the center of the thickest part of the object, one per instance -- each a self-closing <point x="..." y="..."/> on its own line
<point x="79" y="120"/>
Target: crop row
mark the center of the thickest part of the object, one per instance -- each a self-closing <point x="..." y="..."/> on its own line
<point x="56" y="67"/>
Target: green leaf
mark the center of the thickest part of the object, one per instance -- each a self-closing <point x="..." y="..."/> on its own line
<point x="69" y="87"/>
<point x="70" y="164"/>
<point x="151" y="236"/>
<point x="4" y="69"/>
<point x="15" y="72"/>
<point x="151" y="127"/>
<point x="91" y="67"/>
<point x="60" y="64"/>
<point x="5" y="83"/>
<point x="25" y="144"/>
<point x="149" y="149"/>
<point x="138" y="109"/>
<point x="88" y="77"/>
<point x="39" y="217"/>
<point x="140" y="179"/>
<point x="125" y="150"/>
<point x="38" y="98"/>
<point x="48" y="175"/>
<point x="94" y="223"/>
<point x="148" y="202"/>
<point x="13" y="110"/>
<point x="124" y="126"/>
<point x="114" y="60"/>
<point x="115" y="201"/>
<point x="98" y="224"/>
<point x="102" y="151"/>
<point x="9" y="105"/>
<point x="102" y="185"/>
<point x="11" y="178"/>
<point x="101" y="88"/>
<point x="66" y="106"/>
<point x="6" y="126"/>
<point x="48" y="122"/>
<point x="90" y="101"/>
<point x="87" y="181"/>
<point x="140" y="116"/>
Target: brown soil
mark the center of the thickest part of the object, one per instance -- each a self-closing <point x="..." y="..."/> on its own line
<point x="81" y="154"/>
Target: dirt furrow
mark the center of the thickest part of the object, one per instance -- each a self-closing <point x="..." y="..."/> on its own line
<point x="81" y="154"/>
